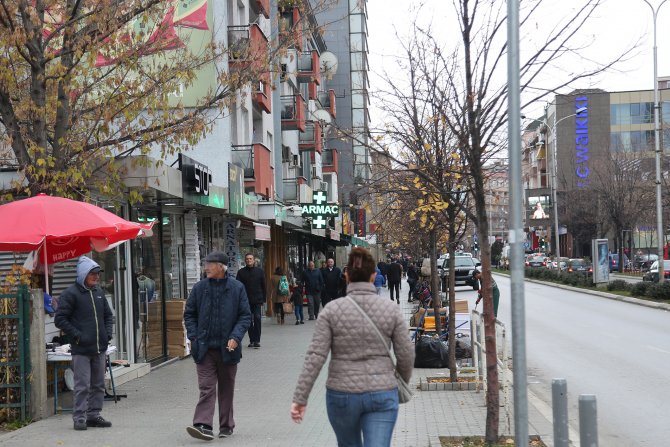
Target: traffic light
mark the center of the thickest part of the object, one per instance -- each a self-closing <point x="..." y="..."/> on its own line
<point x="543" y="243"/>
<point x="476" y="246"/>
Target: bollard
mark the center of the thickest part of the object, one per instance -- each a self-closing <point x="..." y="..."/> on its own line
<point x="559" y="400"/>
<point x="588" y="421"/>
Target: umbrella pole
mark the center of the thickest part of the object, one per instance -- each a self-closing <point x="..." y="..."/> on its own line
<point x="46" y="269"/>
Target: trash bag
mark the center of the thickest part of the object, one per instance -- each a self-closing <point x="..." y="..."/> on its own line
<point x="431" y="353"/>
<point x="463" y="348"/>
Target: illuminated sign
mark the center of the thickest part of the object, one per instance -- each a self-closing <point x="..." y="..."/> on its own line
<point x="582" y="141"/>
<point x="319" y="210"/>
<point x="195" y="177"/>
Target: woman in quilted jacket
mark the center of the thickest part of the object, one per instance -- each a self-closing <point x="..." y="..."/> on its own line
<point x="277" y="298"/>
<point x="361" y="390"/>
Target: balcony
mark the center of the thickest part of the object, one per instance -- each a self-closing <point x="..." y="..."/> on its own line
<point x="308" y="67"/>
<point x="247" y="46"/>
<point x="290" y="28"/>
<point x="327" y="100"/>
<point x="261" y="7"/>
<point x="293" y="112"/>
<point x="262" y="97"/>
<point x="255" y="159"/>
<point x="311" y="138"/>
<point x="329" y="160"/>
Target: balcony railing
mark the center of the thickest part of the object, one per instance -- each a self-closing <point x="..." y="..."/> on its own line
<point x="291" y="189"/>
<point x="258" y="173"/>
<point x="263" y="96"/>
<point x="293" y="112"/>
<point x="247" y="45"/>
<point x="290" y="27"/>
<point x="327" y="100"/>
<point x="309" y="67"/>
<point x="329" y="160"/>
<point x="311" y="138"/>
<point x="261" y="7"/>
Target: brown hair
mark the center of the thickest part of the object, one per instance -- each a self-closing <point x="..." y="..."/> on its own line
<point x="361" y="265"/>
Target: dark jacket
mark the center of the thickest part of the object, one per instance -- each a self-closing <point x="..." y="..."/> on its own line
<point x="331" y="282"/>
<point x="313" y="281"/>
<point x="236" y="318"/>
<point x="253" y="279"/>
<point x="394" y="272"/>
<point x="412" y="273"/>
<point x="84" y="314"/>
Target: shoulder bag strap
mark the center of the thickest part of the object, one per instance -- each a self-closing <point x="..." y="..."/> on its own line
<point x="381" y="337"/>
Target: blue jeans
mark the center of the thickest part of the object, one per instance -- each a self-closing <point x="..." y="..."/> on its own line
<point x="297" y="309"/>
<point x="372" y="414"/>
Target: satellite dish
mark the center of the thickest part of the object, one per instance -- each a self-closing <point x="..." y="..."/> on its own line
<point x="328" y="64"/>
<point x="322" y="115"/>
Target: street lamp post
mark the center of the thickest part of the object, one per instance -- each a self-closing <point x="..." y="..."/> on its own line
<point x="657" y="147"/>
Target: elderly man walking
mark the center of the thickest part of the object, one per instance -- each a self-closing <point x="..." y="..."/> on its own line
<point x="216" y="316"/>
<point x="331" y="282"/>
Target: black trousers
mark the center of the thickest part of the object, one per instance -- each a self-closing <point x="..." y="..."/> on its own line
<point x="395" y="286"/>
<point x="255" y="328"/>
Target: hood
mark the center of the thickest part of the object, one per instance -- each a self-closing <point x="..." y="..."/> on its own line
<point x="84" y="266"/>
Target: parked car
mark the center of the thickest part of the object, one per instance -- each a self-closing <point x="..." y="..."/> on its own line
<point x="560" y="264"/>
<point x="464" y="268"/>
<point x="538" y="261"/>
<point x="579" y="265"/>
<point x="652" y="273"/>
<point x="615" y="266"/>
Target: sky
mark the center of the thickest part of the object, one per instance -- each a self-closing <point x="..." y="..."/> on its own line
<point x="616" y="25"/>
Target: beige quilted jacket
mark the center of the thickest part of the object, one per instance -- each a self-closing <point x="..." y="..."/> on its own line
<point x="359" y="362"/>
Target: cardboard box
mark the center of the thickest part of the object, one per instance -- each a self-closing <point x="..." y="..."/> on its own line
<point x="461" y="306"/>
<point x="174" y="310"/>
<point x="176" y="338"/>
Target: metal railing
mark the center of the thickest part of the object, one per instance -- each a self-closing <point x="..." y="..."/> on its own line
<point x="14" y="352"/>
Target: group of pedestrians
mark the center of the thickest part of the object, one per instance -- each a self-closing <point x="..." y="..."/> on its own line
<point x="361" y="390"/>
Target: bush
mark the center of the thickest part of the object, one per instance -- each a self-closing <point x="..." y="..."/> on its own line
<point x="640" y="288"/>
<point x="618" y="284"/>
<point x="659" y="291"/>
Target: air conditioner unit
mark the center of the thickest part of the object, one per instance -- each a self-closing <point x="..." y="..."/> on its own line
<point x="296" y="160"/>
<point x="324" y="187"/>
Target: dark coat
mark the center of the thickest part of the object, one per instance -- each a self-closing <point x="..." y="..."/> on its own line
<point x="254" y="283"/>
<point x="394" y="272"/>
<point x="313" y="281"/>
<point x="331" y="282"/>
<point x="84" y="314"/>
<point x="236" y="319"/>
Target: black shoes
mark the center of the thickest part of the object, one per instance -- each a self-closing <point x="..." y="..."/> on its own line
<point x="310" y="318"/>
<point x="297" y="322"/>
<point x="256" y="345"/>
<point x="225" y="432"/>
<point x="201" y="431"/>
<point x="251" y="345"/>
<point x="99" y="422"/>
<point x="80" y="425"/>
<point x="302" y="322"/>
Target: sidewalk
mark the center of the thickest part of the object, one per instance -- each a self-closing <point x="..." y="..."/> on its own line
<point x="160" y="405"/>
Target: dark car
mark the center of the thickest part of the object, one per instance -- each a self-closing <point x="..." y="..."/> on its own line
<point x="464" y="268"/>
<point x="652" y="273"/>
<point x="615" y="266"/>
<point x="580" y="266"/>
<point x="643" y="262"/>
<point x="537" y="261"/>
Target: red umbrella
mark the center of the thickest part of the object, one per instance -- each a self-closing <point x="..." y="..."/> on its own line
<point x="63" y="228"/>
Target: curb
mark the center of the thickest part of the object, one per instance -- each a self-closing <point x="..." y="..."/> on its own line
<point x="611" y="296"/>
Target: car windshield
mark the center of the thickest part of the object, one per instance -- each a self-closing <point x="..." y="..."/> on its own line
<point x="538" y="259"/>
<point x="578" y="263"/>
<point x="666" y="265"/>
<point x="464" y="261"/>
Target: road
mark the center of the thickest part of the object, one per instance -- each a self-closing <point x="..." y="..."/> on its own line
<point x="618" y="351"/>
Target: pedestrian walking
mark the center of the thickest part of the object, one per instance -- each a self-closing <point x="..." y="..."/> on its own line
<point x="313" y="281"/>
<point x="216" y="317"/>
<point x="412" y="280"/>
<point x="331" y="281"/>
<point x="253" y="279"/>
<point x="279" y="293"/>
<point x="380" y="281"/>
<point x="297" y="300"/>
<point x="361" y="389"/>
<point x="342" y="291"/>
<point x="85" y="316"/>
<point x="393" y="276"/>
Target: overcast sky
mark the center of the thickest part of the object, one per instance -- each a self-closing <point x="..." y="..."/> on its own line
<point x="617" y="24"/>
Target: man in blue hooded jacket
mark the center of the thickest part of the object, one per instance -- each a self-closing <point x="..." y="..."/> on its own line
<point x="84" y="314"/>
<point x="216" y="316"/>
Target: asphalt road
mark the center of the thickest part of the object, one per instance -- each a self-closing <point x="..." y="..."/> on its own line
<point x="618" y="351"/>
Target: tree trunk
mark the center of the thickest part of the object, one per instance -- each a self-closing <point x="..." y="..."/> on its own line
<point x="434" y="280"/>
<point x="453" y="372"/>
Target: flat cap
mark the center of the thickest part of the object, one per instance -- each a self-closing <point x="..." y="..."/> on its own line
<point x="217" y="256"/>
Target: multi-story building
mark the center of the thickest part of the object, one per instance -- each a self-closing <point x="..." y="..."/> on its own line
<point x="563" y="149"/>
<point x="497" y="201"/>
<point x="346" y="37"/>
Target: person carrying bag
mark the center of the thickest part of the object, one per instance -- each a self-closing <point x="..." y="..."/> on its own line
<point x="280" y="295"/>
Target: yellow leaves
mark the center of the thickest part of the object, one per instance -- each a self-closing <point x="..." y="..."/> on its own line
<point x="427" y="146"/>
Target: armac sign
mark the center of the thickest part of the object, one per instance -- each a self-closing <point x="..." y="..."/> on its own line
<point x="319" y="210"/>
<point x="582" y="141"/>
